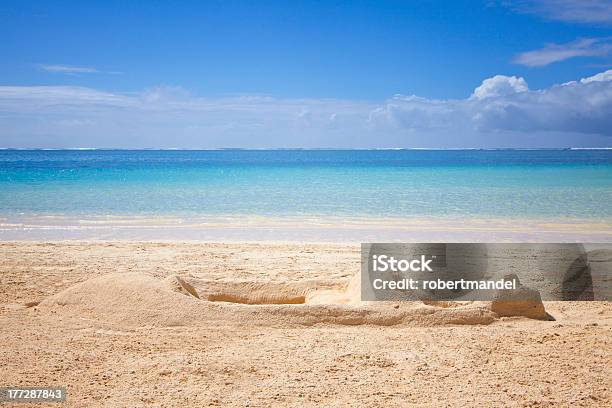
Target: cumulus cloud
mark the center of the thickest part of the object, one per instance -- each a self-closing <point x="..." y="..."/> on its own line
<point x="584" y="47"/>
<point x="503" y="103"/>
<point x="502" y="111"/>
<point x="601" y="77"/>
<point x="574" y="11"/>
<point x="582" y="107"/>
<point x="500" y="85"/>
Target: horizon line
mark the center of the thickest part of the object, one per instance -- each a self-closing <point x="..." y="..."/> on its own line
<point x="293" y="148"/>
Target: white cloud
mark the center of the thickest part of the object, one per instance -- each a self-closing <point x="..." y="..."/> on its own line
<point x="581" y="107"/>
<point x="73" y="70"/>
<point x="500" y="85"/>
<point x="584" y="47"/>
<point x="574" y="11"/>
<point x="601" y="77"/>
<point x="502" y="111"/>
<point x="68" y="69"/>
<point x="506" y="104"/>
<point x="62" y="98"/>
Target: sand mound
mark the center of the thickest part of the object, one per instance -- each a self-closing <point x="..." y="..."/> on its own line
<point x="522" y="301"/>
<point x="136" y="299"/>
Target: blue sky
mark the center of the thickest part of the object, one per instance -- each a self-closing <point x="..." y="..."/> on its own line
<point x="305" y="74"/>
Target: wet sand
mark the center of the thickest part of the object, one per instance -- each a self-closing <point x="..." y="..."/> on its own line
<point x="314" y="229"/>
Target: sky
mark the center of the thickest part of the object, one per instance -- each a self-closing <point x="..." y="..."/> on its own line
<point x="321" y="74"/>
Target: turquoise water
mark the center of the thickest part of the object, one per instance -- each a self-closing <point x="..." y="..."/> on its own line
<point x="386" y="183"/>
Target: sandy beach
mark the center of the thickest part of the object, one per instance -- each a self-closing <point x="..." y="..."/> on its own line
<point x="261" y="324"/>
<point x="306" y="204"/>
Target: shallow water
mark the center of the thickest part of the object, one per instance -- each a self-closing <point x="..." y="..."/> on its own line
<point x="558" y="184"/>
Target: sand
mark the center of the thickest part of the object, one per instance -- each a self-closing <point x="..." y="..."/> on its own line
<point x="195" y="324"/>
<point x="311" y="229"/>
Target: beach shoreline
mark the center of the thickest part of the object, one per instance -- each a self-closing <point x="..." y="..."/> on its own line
<point x="314" y="228"/>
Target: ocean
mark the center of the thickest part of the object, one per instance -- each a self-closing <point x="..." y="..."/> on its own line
<point x="549" y="184"/>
